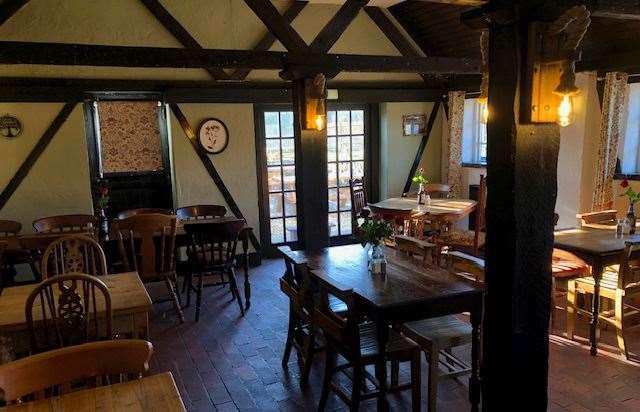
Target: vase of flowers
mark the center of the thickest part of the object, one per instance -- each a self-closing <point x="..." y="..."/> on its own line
<point x="372" y="233"/>
<point x="102" y="202"/>
<point x="423" y="196"/>
<point x="633" y="197"/>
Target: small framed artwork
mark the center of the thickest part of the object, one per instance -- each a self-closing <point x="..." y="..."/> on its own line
<point x="213" y="136"/>
<point x="10" y="126"/>
<point x="413" y="124"/>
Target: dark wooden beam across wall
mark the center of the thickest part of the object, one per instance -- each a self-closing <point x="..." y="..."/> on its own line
<point x="35" y="153"/>
<point x="332" y="31"/>
<point x="623" y="62"/>
<point x="10" y="7"/>
<point x="179" y="32"/>
<point x="269" y="39"/>
<point x="211" y="169"/>
<point x="421" y="147"/>
<point x="277" y="25"/>
<point x="128" y="56"/>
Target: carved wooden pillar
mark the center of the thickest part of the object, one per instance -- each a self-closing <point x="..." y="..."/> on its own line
<point x="522" y="187"/>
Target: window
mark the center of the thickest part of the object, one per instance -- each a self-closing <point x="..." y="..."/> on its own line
<point x="629" y="149"/>
<point x="474" y="134"/>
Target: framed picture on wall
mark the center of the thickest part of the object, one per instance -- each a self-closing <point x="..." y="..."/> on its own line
<point x="414" y="124"/>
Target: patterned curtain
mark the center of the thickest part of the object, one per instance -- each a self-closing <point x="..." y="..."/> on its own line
<point x="611" y="129"/>
<point x="452" y="150"/>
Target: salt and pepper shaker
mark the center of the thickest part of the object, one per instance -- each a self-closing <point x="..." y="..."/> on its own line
<point x="620" y="226"/>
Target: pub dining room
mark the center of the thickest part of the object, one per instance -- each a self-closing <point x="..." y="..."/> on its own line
<point x="323" y="205"/>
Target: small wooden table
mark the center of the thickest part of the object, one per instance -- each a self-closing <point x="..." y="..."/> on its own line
<point x="598" y="248"/>
<point x="130" y="303"/>
<point x="151" y="393"/>
<point x="407" y="293"/>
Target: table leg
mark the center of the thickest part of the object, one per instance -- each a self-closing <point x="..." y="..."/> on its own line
<point x="474" y="380"/>
<point x="140" y="325"/>
<point x="245" y="264"/>
<point x="381" y="364"/>
<point x="595" y="307"/>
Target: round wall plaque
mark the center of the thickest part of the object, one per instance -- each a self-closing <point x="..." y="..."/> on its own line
<point x="213" y="136"/>
<point x="10" y="126"/>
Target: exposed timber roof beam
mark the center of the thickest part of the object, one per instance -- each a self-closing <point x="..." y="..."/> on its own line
<point x="9" y="7"/>
<point x="332" y="31"/>
<point x="276" y="23"/>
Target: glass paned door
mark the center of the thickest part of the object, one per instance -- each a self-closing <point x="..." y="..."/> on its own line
<point x="281" y="176"/>
<point x="346" y="160"/>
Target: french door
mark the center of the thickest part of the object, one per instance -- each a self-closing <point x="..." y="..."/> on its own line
<point x="348" y="155"/>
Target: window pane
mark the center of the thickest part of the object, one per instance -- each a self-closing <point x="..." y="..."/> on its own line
<point x="333" y="224"/>
<point x="289" y="173"/>
<point x="332" y="178"/>
<point x="344" y="120"/>
<point x="344" y="148"/>
<point x="291" y="225"/>
<point x="345" y="198"/>
<point x="357" y="143"/>
<point x="290" y="203"/>
<point x="288" y="152"/>
<point x="345" y="223"/>
<point x="286" y="124"/>
<point x="277" y="231"/>
<point x="331" y="149"/>
<point x="331" y="123"/>
<point x="344" y="173"/>
<point x="271" y="124"/>
<point x="275" y="205"/>
<point x="274" y="179"/>
<point x="273" y="152"/>
<point x="357" y="121"/>
<point x="358" y="169"/>
<point x="333" y="200"/>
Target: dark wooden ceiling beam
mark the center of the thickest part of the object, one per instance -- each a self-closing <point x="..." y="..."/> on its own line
<point x="332" y="31"/>
<point x="10" y="7"/>
<point x="616" y="9"/>
<point x="269" y="39"/>
<point x="277" y="25"/>
<point x="624" y="62"/>
<point x="174" y="27"/>
<point x="128" y="56"/>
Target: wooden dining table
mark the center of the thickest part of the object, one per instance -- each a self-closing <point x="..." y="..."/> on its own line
<point x="407" y="292"/>
<point x="599" y="249"/>
<point x="151" y="393"/>
<point x="130" y="304"/>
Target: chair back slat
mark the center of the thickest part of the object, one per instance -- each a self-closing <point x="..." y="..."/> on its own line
<point x="437" y="190"/>
<point x="73" y="254"/>
<point x="198" y="212"/>
<point x="629" y="272"/>
<point x="66" y="223"/>
<point x="146" y="243"/>
<point x="603" y="216"/>
<point x="143" y="211"/>
<point x="9" y="228"/>
<point x="214" y="244"/>
<point x="73" y="308"/>
<point x="53" y="372"/>
<point x="481" y="209"/>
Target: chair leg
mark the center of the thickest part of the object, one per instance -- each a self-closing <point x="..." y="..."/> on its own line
<point x="432" y="395"/>
<point x="187" y="285"/>
<point x="174" y="280"/>
<point x="290" y="336"/>
<point x="571" y="308"/>
<point x="328" y="374"/>
<point x="174" y="297"/>
<point x="395" y="371"/>
<point x="619" y="317"/>
<point x="416" y="387"/>
<point x="234" y="289"/>
<point x="308" y="349"/>
<point x="552" y="315"/>
<point x="356" y="387"/>
<point x="199" y="295"/>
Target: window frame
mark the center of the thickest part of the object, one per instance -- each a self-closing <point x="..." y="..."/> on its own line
<point x="475" y="137"/>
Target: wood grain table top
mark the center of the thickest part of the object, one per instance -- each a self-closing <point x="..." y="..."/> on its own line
<point x="151" y="393"/>
<point x="437" y="207"/>
<point x="128" y="296"/>
<point x="591" y="241"/>
<point x="405" y="286"/>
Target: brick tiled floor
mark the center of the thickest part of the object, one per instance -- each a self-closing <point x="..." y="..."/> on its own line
<point x="229" y="363"/>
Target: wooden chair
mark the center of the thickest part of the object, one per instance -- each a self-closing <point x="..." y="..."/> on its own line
<point x="212" y="250"/>
<point x="143" y="211"/>
<point x="9" y="228"/>
<point x="146" y="243"/>
<point x="604" y="216"/>
<point x="73" y="254"/>
<point x="620" y="284"/>
<point x="198" y="212"/>
<point x="3" y="267"/>
<point x="468" y="241"/>
<point x="437" y="190"/>
<point x="357" y="343"/>
<point x="465" y="266"/>
<point x="68" y="310"/>
<point x="359" y="208"/>
<point x="410" y="246"/>
<point x="66" y="223"/>
<point x="53" y="372"/>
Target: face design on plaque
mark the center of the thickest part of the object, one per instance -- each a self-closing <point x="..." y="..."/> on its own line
<point x="213" y="136"/>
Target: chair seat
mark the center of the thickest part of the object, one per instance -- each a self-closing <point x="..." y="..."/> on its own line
<point x="463" y="238"/>
<point x="565" y="265"/>
<point x="444" y="332"/>
<point x="396" y="345"/>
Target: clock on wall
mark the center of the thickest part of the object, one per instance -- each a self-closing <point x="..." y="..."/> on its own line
<point x="213" y="136"/>
<point x="10" y="126"/>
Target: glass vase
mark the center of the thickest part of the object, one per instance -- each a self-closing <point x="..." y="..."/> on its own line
<point x="631" y="219"/>
<point x="377" y="260"/>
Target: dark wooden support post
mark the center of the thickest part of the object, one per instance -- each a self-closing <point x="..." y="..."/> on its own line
<point x="35" y="153"/>
<point x="211" y="169"/>
<point x="311" y="178"/>
<point x="421" y="147"/>
<point x="522" y="188"/>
